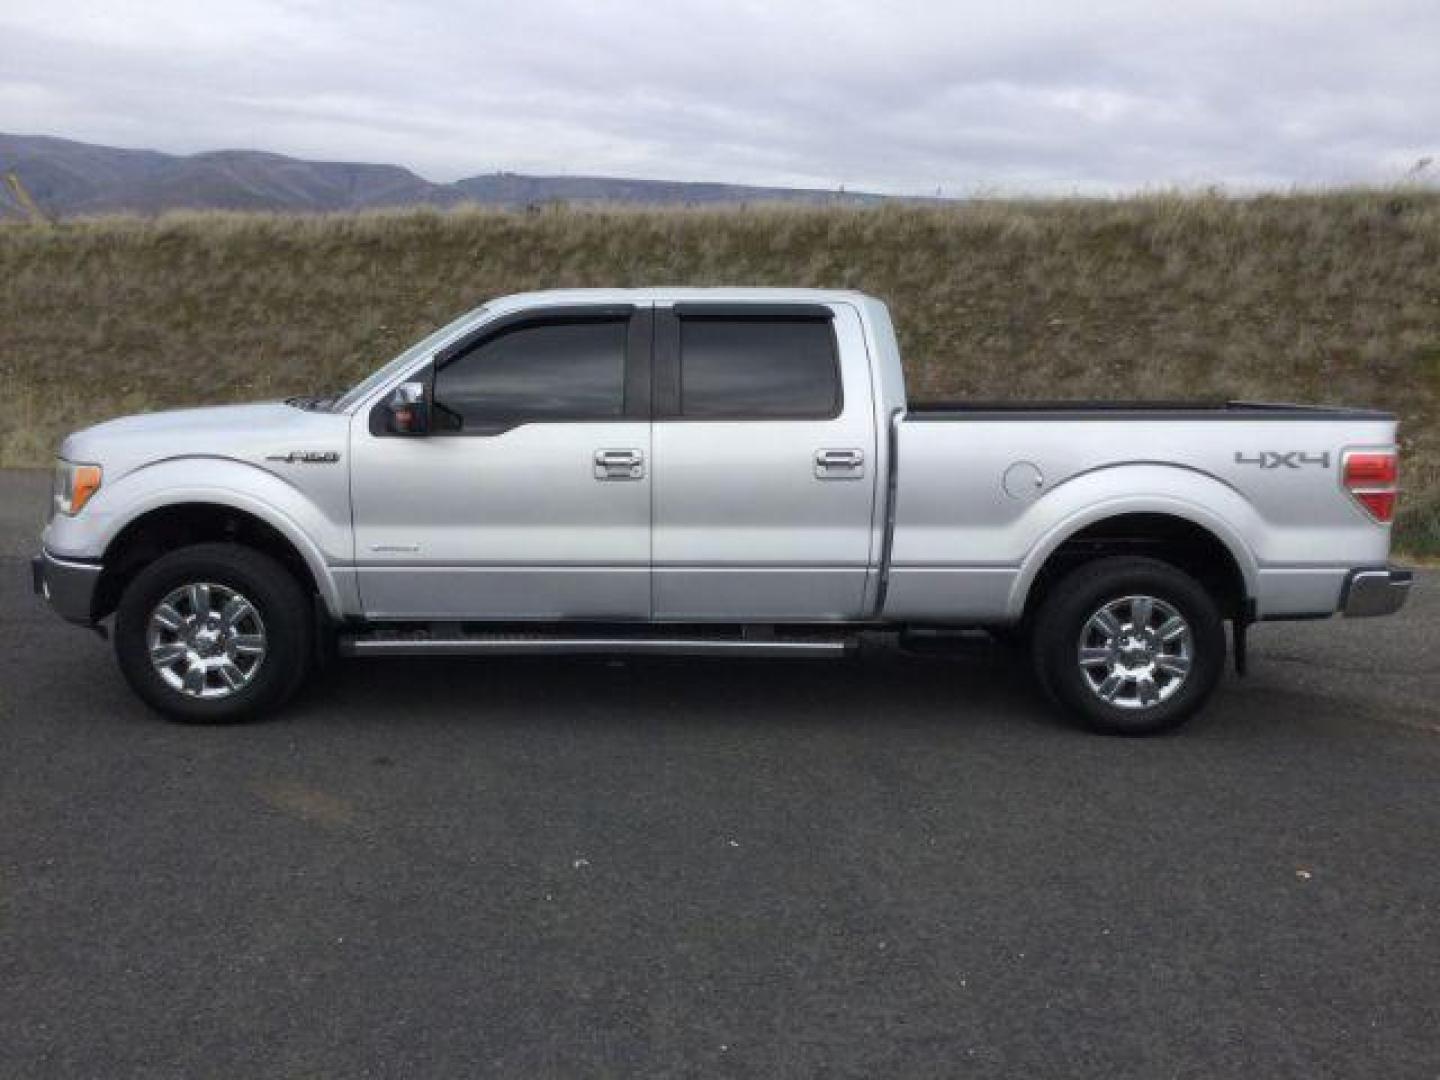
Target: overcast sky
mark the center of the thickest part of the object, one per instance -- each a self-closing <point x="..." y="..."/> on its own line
<point x="994" y="96"/>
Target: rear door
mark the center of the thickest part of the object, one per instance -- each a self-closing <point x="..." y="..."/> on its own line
<point x="764" y="452"/>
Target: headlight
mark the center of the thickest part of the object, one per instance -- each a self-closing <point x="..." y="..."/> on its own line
<point x="74" y="485"/>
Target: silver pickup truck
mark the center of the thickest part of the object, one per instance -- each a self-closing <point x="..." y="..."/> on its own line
<point x="714" y="472"/>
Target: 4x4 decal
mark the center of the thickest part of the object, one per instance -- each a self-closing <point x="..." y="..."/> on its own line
<point x="1288" y="459"/>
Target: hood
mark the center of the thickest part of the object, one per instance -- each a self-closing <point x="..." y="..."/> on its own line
<point x="253" y="433"/>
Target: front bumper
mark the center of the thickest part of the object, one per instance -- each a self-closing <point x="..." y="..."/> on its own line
<point x="1375" y="592"/>
<point x="68" y="586"/>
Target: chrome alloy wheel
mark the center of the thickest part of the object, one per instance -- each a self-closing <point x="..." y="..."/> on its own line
<point x="1135" y="652"/>
<point x="206" y="640"/>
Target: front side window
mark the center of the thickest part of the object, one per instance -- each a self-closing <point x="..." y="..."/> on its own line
<point x="548" y="371"/>
<point x="759" y="368"/>
<point x="378" y="377"/>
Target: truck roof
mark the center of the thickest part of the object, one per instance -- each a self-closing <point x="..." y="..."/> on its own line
<point x="721" y="293"/>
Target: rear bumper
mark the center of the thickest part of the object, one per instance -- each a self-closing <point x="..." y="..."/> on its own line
<point x="67" y="586"/>
<point x="1375" y="592"/>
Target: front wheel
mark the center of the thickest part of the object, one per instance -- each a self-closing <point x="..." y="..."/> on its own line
<point x="214" y="633"/>
<point x="1132" y="646"/>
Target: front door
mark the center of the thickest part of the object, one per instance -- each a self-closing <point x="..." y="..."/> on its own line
<point x="530" y="498"/>
<point x="764" y="463"/>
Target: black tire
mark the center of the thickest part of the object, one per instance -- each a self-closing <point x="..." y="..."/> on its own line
<point x="271" y="589"/>
<point x="1065" y="613"/>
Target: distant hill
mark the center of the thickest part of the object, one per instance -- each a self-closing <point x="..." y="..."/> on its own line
<point x="67" y="178"/>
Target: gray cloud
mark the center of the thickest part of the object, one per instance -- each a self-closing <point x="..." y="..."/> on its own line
<point x="1044" y="96"/>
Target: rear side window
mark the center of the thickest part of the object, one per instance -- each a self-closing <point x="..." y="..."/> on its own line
<point x="758" y="368"/>
<point x="550" y="371"/>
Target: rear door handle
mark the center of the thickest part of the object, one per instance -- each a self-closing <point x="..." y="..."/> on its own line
<point x="619" y="465"/>
<point x="839" y="464"/>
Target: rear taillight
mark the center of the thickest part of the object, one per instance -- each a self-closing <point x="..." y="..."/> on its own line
<point x="1370" y="477"/>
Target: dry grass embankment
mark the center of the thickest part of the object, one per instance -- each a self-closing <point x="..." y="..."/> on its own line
<point x="1317" y="298"/>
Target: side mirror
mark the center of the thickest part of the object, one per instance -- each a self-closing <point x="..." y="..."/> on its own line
<point x="408" y="410"/>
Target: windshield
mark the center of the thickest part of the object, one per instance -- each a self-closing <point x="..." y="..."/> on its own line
<point x="404" y="360"/>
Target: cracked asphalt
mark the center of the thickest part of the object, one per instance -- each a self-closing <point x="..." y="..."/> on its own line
<point x="894" y="866"/>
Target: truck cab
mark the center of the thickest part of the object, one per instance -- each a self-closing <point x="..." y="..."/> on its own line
<point x="625" y="459"/>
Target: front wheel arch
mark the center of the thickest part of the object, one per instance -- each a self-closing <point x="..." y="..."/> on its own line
<point x="178" y="525"/>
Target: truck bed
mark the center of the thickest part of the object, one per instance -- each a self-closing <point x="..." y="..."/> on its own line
<point x="980" y="487"/>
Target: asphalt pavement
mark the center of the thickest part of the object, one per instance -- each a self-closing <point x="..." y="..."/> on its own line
<point x="891" y="866"/>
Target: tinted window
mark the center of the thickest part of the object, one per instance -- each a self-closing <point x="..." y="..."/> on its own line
<point x="758" y="368"/>
<point x="550" y="371"/>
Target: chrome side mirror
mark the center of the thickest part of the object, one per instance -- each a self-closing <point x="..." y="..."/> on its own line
<point x="408" y="410"/>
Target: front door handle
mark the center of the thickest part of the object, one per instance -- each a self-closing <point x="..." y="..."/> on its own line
<point x="839" y="464"/>
<point x="619" y="465"/>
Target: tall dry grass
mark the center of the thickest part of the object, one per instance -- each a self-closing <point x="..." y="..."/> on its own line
<point x="1309" y="297"/>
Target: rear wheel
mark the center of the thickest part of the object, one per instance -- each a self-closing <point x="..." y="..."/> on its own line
<point x="1132" y="646"/>
<point x="214" y="633"/>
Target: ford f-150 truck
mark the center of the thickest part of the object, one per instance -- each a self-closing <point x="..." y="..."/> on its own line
<point x="708" y="471"/>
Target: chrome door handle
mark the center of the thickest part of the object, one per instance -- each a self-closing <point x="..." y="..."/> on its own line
<point x="619" y="465"/>
<point x="839" y="464"/>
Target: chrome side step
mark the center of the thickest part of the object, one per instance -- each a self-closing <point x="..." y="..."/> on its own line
<point x="421" y="644"/>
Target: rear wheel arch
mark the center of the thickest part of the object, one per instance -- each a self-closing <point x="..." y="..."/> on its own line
<point x="1194" y="548"/>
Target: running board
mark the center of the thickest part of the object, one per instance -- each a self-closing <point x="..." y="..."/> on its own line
<point x="535" y="644"/>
